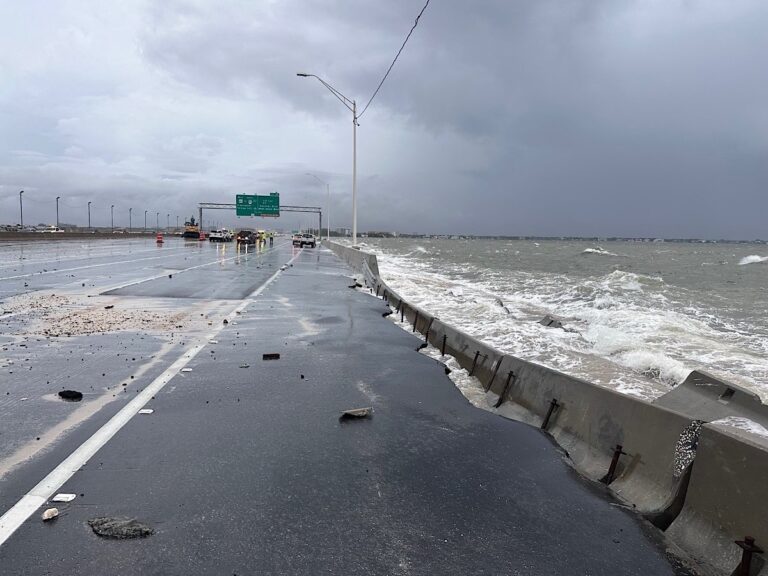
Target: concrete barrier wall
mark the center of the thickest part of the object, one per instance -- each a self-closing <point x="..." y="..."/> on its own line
<point x="726" y="497"/>
<point x="722" y="496"/>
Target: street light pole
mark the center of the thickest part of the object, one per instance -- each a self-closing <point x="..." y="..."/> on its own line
<point x="89" y="215"/>
<point x="177" y="221"/>
<point x="351" y="105"/>
<point x="57" y="211"/>
<point x="327" y="206"/>
<point x="145" y="220"/>
<point x="112" y="217"/>
<point x="157" y="221"/>
<point x="167" y="222"/>
<point x="21" y="210"/>
<point x="130" y="211"/>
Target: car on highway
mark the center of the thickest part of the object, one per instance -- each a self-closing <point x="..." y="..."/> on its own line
<point x="303" y="239"/>
<point x="222" y="235"/>
<point x="246" y="237"/>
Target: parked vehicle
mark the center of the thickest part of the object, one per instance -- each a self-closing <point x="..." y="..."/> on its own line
<point x="246" y="237"/>
<point x="303" y="240"/>
<point x="222" y="235"/>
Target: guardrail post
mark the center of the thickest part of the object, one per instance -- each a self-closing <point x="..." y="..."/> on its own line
<point x="748" y="548"/>
<point x="442" y="348"/>
<point x="415" y="320"/>
<point x="552" y="406"/>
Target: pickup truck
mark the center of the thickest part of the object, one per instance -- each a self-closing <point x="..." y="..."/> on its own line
<point x="222" y="235"/>
<point x="302" y="240"/>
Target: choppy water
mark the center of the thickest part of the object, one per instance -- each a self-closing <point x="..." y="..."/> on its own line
<point x="642" y="315"/>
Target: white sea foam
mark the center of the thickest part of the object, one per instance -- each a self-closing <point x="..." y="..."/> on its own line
<point x="599" y="251"/>
<point x="743" y="424"/>
<point x="629" y="331"/>
<point x="753" y="259"/>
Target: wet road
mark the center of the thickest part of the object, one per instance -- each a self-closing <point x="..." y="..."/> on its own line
<point x="244" y="467"/>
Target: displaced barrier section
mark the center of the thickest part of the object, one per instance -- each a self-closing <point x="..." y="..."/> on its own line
<point x="704" y="485"/>
<point x="726" y="498"/>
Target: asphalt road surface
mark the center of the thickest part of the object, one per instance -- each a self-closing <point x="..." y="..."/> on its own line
<point x="243" y="466"/>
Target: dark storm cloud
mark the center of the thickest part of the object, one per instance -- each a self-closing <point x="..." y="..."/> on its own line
<point x="620" y="117"/>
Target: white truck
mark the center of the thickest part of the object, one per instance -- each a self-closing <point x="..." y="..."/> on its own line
<point x="222" y="235"/>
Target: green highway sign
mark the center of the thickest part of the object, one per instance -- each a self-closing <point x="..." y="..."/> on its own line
<point x="255" y="205"/>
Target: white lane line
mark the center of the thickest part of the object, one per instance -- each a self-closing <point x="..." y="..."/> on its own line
<point x="47" y="487"/>
<point x="246" y="255"/>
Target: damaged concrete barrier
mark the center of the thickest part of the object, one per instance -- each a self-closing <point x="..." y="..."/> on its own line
<point x="726" y="497"/>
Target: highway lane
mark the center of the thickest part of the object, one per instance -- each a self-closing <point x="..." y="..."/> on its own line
<point x="57" y="332"/>
<point x="244" y="466"/>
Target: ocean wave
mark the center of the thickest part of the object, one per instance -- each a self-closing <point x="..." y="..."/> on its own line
<point x="753" y="259"/>
<point x="743" y="424"/>
<point x="599" y="251"/>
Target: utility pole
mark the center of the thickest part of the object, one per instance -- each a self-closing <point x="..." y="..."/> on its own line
<point x="21" y="210"/>
<point x="145" y="220"/>
<point x="57" y="211"/>
<point x="130" y="210"/>
<point x="89" y="215"/>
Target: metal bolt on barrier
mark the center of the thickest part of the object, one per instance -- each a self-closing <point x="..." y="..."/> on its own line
<point x="748" y="548"/>
<point x="552" y="406"/>
<point x="474" y="363"/>
<point x="429" y="327"/>
<point x="611" y="475"/>
<point x="510" y="378"/>
<point x="493" y="376"/>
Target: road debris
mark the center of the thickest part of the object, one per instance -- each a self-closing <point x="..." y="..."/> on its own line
<point x="146" y="411"/>
<point x="63" y="497"/>
<point x="271" y="356"/>
<point x="70" y="395"/>
<point x="356" y="413"/>
<point x="109" y="307"/>
<point x="186" y="369"/>
<point x="245" y="365"/>
<point x="119" y="528"/>
<point x="50" y="514"/>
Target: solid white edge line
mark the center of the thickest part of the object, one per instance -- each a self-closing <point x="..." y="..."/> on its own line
<point x="47" y="487"/>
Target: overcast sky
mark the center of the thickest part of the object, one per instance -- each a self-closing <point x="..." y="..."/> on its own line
<point x="546" y="117"/>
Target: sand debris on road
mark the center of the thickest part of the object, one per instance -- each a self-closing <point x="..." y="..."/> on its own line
<point x="75" y="315"/>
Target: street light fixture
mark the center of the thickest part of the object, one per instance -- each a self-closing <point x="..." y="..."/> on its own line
<point x="57" y="211"/>
<point x="89" y="215"/>
<point x="352" y="107"/>
<point x="21" y="210"/>
<point x="327" y="206"/>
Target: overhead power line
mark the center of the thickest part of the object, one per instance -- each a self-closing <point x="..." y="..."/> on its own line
<point x="416" y="23"/>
